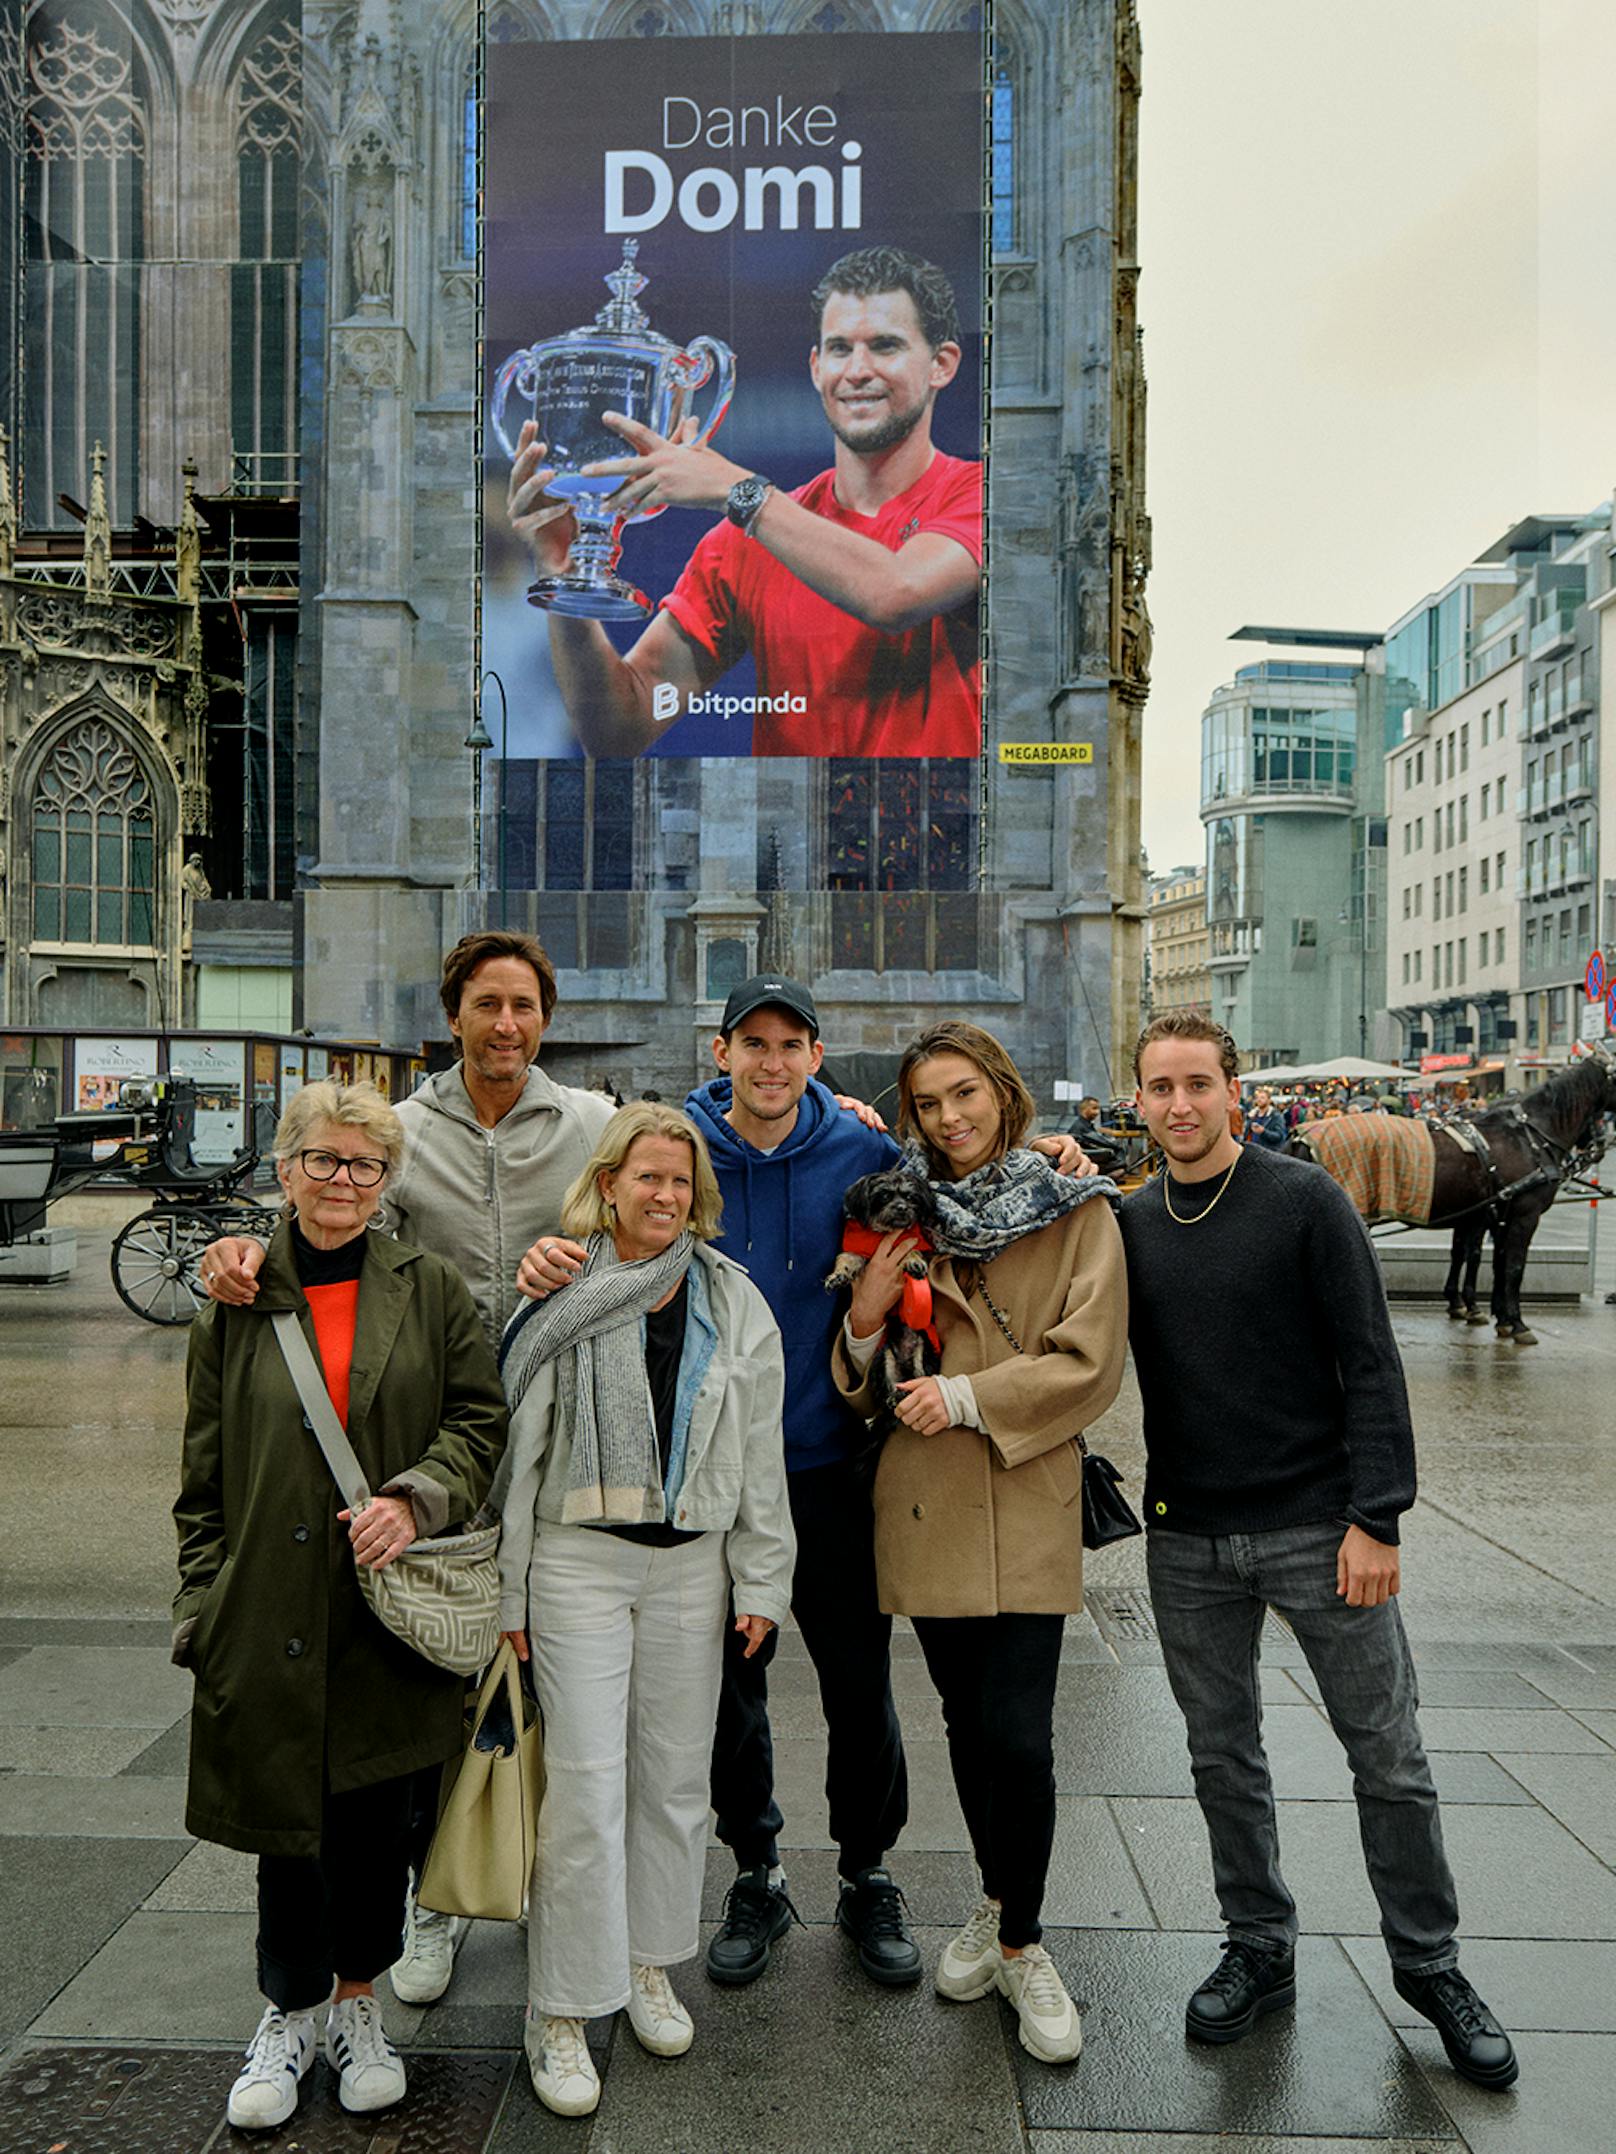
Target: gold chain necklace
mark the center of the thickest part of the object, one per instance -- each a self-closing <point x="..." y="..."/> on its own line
<point x="1178" y="1217"/>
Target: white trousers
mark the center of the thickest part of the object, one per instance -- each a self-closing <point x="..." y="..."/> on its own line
<point x="627" y="1649"/>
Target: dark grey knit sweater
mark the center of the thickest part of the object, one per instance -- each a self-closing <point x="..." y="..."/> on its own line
<point x="1273" y="1389"/>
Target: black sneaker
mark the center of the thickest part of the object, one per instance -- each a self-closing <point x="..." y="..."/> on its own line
<point x="1245" y="1983"/>
<point x="755" y="1914"/>
<point x="1478" y="2048"/>
<point x="871" y="1911"/>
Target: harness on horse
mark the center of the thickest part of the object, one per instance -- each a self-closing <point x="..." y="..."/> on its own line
<point x="1552" y="1161"/>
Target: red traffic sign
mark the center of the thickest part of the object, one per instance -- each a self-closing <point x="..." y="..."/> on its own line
<point x="1594" y="978"/>
<point x="1610" y="1008"/>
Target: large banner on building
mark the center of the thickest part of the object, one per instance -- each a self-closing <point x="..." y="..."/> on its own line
<point x="763" y="257"/>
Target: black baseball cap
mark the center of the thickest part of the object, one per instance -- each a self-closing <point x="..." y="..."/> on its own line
<point x="764" y="993"/>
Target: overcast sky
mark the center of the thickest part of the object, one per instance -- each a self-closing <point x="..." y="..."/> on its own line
<point x="1377" y="243"/>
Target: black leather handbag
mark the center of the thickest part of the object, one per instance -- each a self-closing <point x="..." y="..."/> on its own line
<point x="1107" y="1514"/>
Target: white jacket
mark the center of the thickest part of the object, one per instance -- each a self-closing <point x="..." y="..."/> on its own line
<point x="735" y="1472"/>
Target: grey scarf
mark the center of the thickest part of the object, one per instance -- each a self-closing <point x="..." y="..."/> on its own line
<point x="591" y="1330"/>
<point x="996" y="1205"/>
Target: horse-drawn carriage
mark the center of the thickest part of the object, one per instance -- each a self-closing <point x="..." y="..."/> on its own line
<point x="1491" y="1171"/>
<point x="145" y="1142"/>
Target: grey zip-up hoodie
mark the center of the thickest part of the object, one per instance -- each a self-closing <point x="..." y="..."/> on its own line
<point x="483" y="1197"/>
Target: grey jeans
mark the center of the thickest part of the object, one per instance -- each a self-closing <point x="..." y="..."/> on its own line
<point x="1210" y="1594"/>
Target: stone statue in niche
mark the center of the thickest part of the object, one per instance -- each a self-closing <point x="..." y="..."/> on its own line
<point x="194" y="886"/>
<point x="1136" y="635"/>
<point x="371" y="248"/>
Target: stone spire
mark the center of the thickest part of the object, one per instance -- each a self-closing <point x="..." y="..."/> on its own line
<point x="8" y="511"/>
<point x="98" y="532"/>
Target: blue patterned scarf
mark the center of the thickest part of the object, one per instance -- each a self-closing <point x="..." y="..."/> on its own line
<point x="997" y="1204"/>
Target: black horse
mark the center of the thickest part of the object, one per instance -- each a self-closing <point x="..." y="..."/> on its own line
<point x="1503" y="1186"/>
<point x="1534" y="1145"/>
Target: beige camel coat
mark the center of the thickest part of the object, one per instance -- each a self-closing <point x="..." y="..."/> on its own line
<point x="971" y="1523"/>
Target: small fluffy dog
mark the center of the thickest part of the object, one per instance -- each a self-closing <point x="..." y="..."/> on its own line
<point x="876" y="1205"/>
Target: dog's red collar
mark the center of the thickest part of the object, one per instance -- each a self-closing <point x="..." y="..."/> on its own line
<point x="915" y="1305"/>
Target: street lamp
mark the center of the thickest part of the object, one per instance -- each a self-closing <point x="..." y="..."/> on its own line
<point x="1344" y="918"/>
<point x="504" y="774"/>
<point x="479" y="741"/>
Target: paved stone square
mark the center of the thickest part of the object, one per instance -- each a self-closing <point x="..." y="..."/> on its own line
<point x="126" y="1985"/>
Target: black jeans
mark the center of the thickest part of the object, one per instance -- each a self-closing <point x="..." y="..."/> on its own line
<point x="338" y="1915"/>
<point x="849" y="1641"/>
<point x="996" y="1678"/>
<point x="1210" y="1593"/>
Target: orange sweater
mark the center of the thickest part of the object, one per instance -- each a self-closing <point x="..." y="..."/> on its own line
<point x="335" y="1310"/>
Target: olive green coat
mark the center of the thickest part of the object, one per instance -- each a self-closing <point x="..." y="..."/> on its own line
<point x="989" y="1521"/>
<point x="294" y="1675"/>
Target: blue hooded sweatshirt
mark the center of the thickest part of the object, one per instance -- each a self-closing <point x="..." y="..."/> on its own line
<point x="783" y="1221"/>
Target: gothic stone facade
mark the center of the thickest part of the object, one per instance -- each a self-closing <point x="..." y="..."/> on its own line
<point x="656" y="884"/>
<point x="716" y="867"/>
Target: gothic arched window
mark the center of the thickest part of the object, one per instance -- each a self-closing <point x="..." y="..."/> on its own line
<point x="84" y="140"/>
<point x="263" y="294"/>
<point x="94" y="843"/>
<point x="468" y="162"/>
<point x="12" y="78"/>
<point x="1002" y="194"/>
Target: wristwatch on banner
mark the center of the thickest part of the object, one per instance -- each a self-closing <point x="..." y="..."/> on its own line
<point x="746" y="499"/>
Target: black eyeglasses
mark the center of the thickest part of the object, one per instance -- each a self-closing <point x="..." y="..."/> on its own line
<point x="322" y="1167"/>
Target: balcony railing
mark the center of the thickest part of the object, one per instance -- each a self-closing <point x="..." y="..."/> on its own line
<point x="1554" y="635"/>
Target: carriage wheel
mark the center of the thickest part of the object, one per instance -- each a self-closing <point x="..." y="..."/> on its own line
<point x="155" y="1264"/>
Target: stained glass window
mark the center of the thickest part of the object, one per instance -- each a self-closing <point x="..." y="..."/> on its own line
<point x="263" y="281"/>
<point x="84" y="145"/>
<point x="1003" y="167"/>
<point x="565" y="830"/>
<point x="468" y="166"/>
<point x="901" y="864"/>
<point x="94" y="844"/>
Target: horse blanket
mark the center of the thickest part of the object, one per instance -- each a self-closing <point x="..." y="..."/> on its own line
<point x="1386" y="1163"/>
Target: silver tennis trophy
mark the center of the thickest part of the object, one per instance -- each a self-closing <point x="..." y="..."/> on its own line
<point x="617" y="363"/>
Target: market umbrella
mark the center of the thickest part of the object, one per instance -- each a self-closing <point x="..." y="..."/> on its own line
<point x="1348" y="1066"/>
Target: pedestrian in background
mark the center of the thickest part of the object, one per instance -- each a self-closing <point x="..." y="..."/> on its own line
<point x="1265" y="1125"/>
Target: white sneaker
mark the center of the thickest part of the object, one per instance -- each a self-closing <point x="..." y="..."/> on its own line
<point x="369" y="2071"/>
<point x="564" y="2075"/>
<point x="660" y="2022"/>
<point x="266" y="2088"/>
<point x="1050" y="2027"/>
<point x="431" y="1941"/>
<point x="969" y="1966"/>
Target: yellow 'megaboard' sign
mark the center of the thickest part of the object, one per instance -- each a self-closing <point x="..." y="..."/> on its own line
<point x="1046" y="751"/>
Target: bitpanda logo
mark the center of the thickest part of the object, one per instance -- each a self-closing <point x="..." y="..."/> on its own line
<point x="665" y="705"/>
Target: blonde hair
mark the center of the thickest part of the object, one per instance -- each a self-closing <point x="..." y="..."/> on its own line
<point x="584" y="1210"/>
<point x="349" y="1106"/>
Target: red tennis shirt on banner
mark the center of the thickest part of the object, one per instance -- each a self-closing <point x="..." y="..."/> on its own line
<point x="862" y="692"/>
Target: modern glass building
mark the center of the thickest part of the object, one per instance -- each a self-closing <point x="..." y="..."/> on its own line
<point x="1295" y="848"/>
